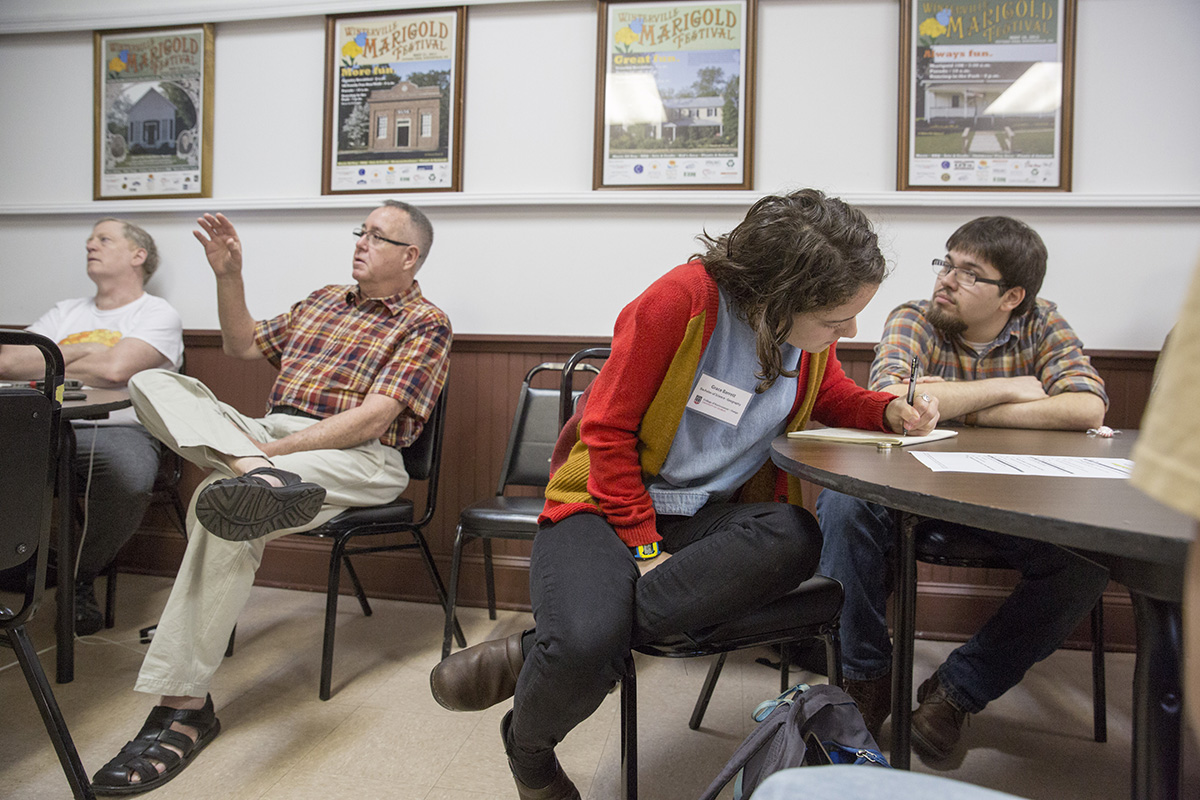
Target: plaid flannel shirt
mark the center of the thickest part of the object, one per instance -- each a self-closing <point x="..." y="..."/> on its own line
<point x="1039" y="342"/>
<point x="335" y="347"/>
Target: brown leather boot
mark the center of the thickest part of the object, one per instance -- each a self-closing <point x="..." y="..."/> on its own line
<point x="480" y="676"/>
<point x="559" y="788"/>
<point x="874" y="699"/>
<point x="937" y="722"/>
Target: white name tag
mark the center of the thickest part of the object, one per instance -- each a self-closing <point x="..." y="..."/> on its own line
<point x="719" y="400"/>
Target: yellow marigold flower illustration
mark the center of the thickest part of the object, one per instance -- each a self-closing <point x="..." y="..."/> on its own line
<point x="625" y="36"/>
<point x="351" y="50"/>
<point x="116" y="65"/>
<point x="932" y="28"/>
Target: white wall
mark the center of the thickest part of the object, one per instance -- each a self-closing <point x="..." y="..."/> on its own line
<point x="527" y="248"/>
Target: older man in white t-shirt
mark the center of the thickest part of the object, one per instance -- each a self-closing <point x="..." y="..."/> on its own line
<point x="105" y="339"/>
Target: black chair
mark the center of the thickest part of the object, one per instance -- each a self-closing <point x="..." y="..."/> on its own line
<point x="30" y="420"/>
<point x="422" y="460"/>
<point x="953" y="547"/>
<point x="535" y="429"/>
<point x="938" y="543"/>
<point x="810" y="611"/>
<point x="567" y="395"/>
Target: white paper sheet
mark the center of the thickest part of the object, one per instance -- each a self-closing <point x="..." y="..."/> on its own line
<point x="1042" y="466"/>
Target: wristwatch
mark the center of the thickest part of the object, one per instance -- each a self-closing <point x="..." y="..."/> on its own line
<point x="645" y="552"/>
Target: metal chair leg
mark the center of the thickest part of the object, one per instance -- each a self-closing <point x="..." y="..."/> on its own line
<point x="489" y="576"/>
<point x="358" y="587"/>
<point x="431" y="567"/>
<point x="331" y="599"/>
<point x="110" y="596"/>
<point x="710" y="683"/>
<point x="629" y="766"/>
<point x="56" y="726"/>
<point x="833" y="656"/>
<point x="452" y="592"/>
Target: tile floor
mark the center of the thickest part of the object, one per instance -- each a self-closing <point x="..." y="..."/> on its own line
<point x="381" y="735"/>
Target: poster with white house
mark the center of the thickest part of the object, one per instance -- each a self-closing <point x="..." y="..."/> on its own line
<point x="153" y="113"/>
<point x="675" y="107"/>
<point x="988" y="101"/>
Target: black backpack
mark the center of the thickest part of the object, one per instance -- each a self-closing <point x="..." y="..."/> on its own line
<point x="804" y="725"/>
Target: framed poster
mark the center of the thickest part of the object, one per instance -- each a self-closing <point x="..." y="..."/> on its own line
<point x="675" y="95"/>
<point x="986" y="91"/>
<point x="154" y="101"/>
<point x="394" y="101"/>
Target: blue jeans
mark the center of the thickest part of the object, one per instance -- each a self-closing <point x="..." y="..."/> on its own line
<point x="590" y="606"/>
<point x="1057" y="589"/>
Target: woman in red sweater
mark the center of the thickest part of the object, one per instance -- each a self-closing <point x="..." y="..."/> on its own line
<point x="664" y="513"/>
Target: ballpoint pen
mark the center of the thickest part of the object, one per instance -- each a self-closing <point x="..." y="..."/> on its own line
<point x="912" y="385"/>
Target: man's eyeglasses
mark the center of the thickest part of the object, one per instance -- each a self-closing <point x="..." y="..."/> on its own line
<point x="374" y="238"/>
<point x="965" y="277"/>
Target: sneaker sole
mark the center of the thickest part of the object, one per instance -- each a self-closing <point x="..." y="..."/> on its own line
<point x="241" y="513"/>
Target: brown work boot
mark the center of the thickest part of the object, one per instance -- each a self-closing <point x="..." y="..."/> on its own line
<point x="874" y="699"/>
<point x="480" y="676"/>
<point x="937" y="722"/>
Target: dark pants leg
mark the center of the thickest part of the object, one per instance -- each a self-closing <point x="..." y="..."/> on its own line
<point x="1056" y="591"/>
<point x="123" y="462"/>
<point x="590" y="606"/>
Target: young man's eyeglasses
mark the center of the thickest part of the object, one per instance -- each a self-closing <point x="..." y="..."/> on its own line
<point x="965" y="277"/>
<point x="374" y="238"/>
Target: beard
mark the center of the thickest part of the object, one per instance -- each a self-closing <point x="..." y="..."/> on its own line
<point x="944" y="323"/>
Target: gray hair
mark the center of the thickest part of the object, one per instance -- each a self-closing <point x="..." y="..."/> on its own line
<point x="423" y="227"/>
<point x="137" y="236"/>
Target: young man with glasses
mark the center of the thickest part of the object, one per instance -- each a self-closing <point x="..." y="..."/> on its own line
<point x="360" y="369"/>
<point x="995" y="355"/>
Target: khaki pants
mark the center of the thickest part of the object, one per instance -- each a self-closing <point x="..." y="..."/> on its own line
<point x="215" y="577"/>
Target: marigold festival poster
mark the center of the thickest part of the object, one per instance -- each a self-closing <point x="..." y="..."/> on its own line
<point x="152" y="113"/>
<point x="392" y="106"/>
<point x="986" y="98"/>
<point x="673" y="87"/>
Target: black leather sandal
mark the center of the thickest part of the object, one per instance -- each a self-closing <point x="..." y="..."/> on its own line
<point x="248" y="507"/>
<point x="138" y="757"/>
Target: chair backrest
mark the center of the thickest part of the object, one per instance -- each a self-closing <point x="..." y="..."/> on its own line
<point x="30" y="420"/>
<point x="533" y="433"/>
<point x="423" y="458"/>
<point x="567" y="394"/>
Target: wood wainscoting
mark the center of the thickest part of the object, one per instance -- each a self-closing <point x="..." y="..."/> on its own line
<point x="485" y="375"/>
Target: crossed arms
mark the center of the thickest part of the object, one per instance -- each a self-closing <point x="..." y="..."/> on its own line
<point x="1052" y="385"/>
<point x="94" y="363"/>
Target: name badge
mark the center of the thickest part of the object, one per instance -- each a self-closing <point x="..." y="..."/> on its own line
<point x="719" y="400"/>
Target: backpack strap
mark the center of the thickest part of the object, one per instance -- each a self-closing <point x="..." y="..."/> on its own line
<point x="780" y="712"/>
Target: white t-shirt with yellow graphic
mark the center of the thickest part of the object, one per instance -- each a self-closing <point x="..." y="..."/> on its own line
<point x="149" y="318"/>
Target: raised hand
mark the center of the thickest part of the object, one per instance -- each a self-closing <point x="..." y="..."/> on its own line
<point x="222" y="246"/>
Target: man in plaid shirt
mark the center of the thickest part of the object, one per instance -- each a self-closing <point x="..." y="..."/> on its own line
<point x="995" y="355"/>
<point x="360" y="370"/>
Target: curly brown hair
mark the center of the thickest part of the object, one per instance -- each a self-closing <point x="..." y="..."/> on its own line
<point x="792" y="254"/>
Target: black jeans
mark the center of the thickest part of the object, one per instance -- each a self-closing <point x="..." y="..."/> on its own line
<point x="590" y="606"/>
